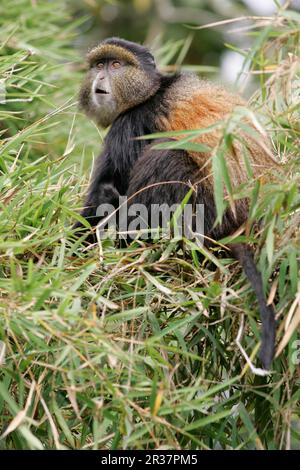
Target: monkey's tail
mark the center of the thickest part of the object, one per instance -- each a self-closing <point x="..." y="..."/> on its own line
<point x="244" y="254"/>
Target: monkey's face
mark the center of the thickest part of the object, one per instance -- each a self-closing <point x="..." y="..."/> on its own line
<point x="98" y="96"/>
<point x="115" y="82"/>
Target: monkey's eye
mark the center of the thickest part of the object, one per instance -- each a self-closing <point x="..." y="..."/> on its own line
<point x="116" y="64"/>
<point x="100" y="64"/>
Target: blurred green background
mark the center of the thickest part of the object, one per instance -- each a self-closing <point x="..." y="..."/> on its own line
<point x="160" y="22"/>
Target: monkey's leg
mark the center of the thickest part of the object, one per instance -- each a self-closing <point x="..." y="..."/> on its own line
<point x="164" y="177"/>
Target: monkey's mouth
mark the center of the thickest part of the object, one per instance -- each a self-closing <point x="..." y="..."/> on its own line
<point x="99" y="91"/>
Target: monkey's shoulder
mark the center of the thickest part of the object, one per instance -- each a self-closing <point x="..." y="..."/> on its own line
<point x="193" y="102"/>
<point x="188" y="86"/>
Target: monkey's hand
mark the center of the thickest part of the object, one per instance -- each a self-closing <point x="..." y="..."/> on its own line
<point x="105" y="194"/>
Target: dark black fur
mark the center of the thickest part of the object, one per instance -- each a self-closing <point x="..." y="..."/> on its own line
<point x="122" y="149"/>
<point x="245" y="256"/>
<point x="127" y="165"/>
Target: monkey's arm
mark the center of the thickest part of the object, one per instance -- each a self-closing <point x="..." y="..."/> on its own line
<point x="103" y="189"/>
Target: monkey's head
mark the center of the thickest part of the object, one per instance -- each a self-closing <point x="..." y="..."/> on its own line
<point x="121" y="75"/>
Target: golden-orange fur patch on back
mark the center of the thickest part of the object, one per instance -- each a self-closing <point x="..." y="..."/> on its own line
<point x="201" y="104"/>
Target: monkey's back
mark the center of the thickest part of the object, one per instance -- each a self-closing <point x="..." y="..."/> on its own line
<point x="193" y="103"/>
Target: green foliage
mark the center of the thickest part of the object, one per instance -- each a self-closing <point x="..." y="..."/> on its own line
<point x="108" y="348"/>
